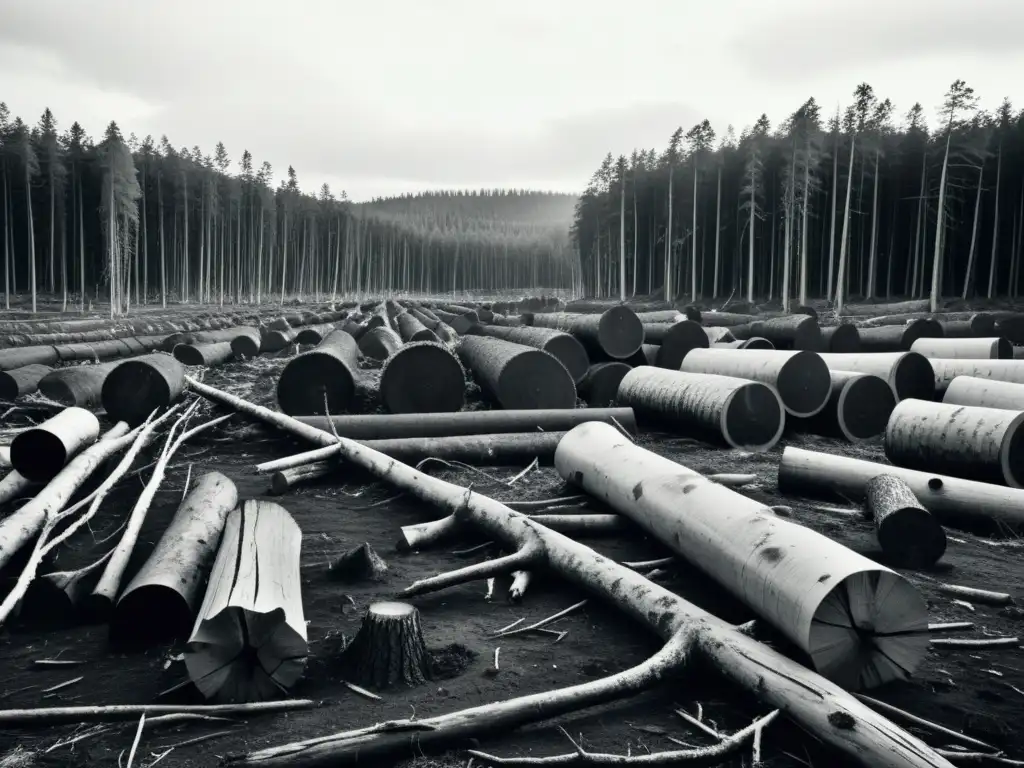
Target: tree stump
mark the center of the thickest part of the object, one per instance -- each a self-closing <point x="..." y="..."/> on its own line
<point x="389" y="648"/>
<point x="906" y="531"/>
<point x="358" y="563"/>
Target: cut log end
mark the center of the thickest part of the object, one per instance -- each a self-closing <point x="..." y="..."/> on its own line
<point x="600" y="386"/>
<point x="844" y="338"/>
<point x="753" y="417"/>
<point x="389" y="648"/>
<point x="535" y="380"/>
<point x="680" y="338"/>
<point x="804" y="384"/>
<point x="423" y="377"/>
<point x="914" y="377"/>
<point x="907" y="532"/>
<point x="864" y="406"/>
<point x="38" y="454"/>
<point x="568" y="350"/>
<point x="308" y="378"/>
<point x="135" y="388"/>
<point x="870" y="629"/>
<point x="620" y="332"/>
<point x="146" y="617"/>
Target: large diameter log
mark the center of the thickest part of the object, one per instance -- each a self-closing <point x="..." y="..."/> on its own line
<point x="159" y="604"/>
<point x="976" y="326"/>
<point x="908" y="373"/>
<point x="247" y="344"/>
<point x="207" y="355"/>
<point x="21" y="381"/>
<point x="811" y="473"/>
<point x="959" y="440"/>
<point x="41" y="452"/>
<point x="565" y="347"/>
<point x="973" y="390"/>
<point x="323" y="377"/>
<point x="384" y="427"/>
<point x="20" y="357"/>
<point x="843" y="338"/>
<point x="800" y="377"/>
<point x="380" y="343"/>
<point x="755" y="342"/>
<point x="675" y="341"/>
<point x="313" y="334"/>
<point x="946" y="369"/>
<point x="423" y="377"/>
<point x="617" y="332"/>
<point x="895" y="338"/>
<point x="411" y="329"/>
<point x="861" y="624"/>
<point x="497" y="450"/>
<point x="790" y="332"/>
<point x="739" y="412"/>
<point x="516" y="376"/>
<point x="858" y="408"/>
<point x="600" y="385"/>
<point x="996" y="348"/>
<point x="906" y="531"/>
<point x="77" y="385"/>
<point x="275" y="340"/>
<point x="249" y="640"/>
<point x="388" y="648"/>
<point x="460" y="324"/>
<point x="137" y="387"/>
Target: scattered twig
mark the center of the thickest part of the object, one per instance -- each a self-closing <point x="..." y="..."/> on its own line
<point x="65" y="684"/>
<point x="56" y="663"/>
<point x="542" y="622"/>
<point x="982" y="596"/>
<point x="531" y="466"/>
<point x="138" y="738"/>
<point x="699" y="725"/>
<point x="496" y="651"/>
<point x="361" y="691"/>
<point x="968" y="642"/>
<point x="472" y="550"/>
<point x="951" y="626"/>
<point x="515" y="623"/>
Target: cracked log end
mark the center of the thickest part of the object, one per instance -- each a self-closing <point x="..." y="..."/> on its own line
<point x="389" y="648"/>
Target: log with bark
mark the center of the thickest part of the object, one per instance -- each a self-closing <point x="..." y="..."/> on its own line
<point x="600" y="386"/>
<point x="960" y="440"/>
<point x="77" y="385"/>
<point x="21" y="381"/>
<point x="20" y="357"/>
<point x="207" y="355"/>
<point x="800" y="377"/>
<point x="159" y="603"/>
<point x="617" y="332"/>
<point x="283" y="480"/>
<point x="516" y="376"/>
<point x="388" y="649"/>
<point x="995" y="348"/>
<point x="422" y="377"/>
<point x="717" y="335"/>
<point x="42" y="451"/>
<point x="386" y="427"/>
<point x="908" y="373"/>
<point x="15" y="486"/>
<point x="137" y="387"/>
<point x="1011" y="326"/>
<point x="722" y="409"/>
<point x="411" y="329"/>
<point x="275" y="340"/>
<point x="674" y="341"/>
<point x="565" y="347"/>
<point x="861" y="624"/>
<point x="247" y="344"/>
<point x="945" y="370"/>
<point x="858" y="408"/>
<point x="458" y="309"/>
<point x="890" y="308"/>
<point x="444" y="332"/>
<point x="842" y="339"/>
<point x="379" y="343"/>
<point x="790" y="332"/>
<point x="661" y="316"/>
<point x="314" y="334"/>
<point x="906" y="531"/>
<point x="227" y="335"/>
<point x="494" y="450"/>
<point x="898" y="338"/>
<point x="725" y="319"/>
<point x="324" y="377"/>
<point x="99" y="351"/>
<point x="755" y="342"/>
<point x="954" y="500"/>
<point x="249" y="640"/>
<point x="974" y="390"/>
<point x="690" y="633"/>
<point x="976" y="326"/>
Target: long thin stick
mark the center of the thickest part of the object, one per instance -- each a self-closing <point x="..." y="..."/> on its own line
<point x="542" y="622"/>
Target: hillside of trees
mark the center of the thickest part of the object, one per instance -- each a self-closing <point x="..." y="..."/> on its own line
<point x="143" y="221"/>
<point x="864" y="203"/>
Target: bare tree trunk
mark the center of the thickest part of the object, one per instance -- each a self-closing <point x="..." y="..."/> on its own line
<point x="832" y="229"/>
<point x="841" y="277"/>
<point x="995" y="225"/>
<point x="803" y="230"/>
<point x="940" y="221"/>
<point x="969" y="276"/>
<point x="31" y="236"/>
<point x="718" y="231"/>
<point x="693" y="265"/>
<point x="873" y="254"/>
<point x="668" y="237"/>
<point x="163" y="257"/>
<point x="7" y="243"/>
<point x="750" y="260"/>
<point x="622" y="241"/>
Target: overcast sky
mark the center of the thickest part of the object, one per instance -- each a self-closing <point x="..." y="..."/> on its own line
<point x="380" y="97"/>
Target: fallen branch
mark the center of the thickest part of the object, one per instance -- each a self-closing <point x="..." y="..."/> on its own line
<point x="920" y="722"/>
<point x="119" y="712"/>
<point x="982" y="596"/>
<point x="966" y="642"/>
<point x="543" y="622"/>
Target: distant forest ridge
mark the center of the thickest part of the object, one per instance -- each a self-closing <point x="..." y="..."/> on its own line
<point x="520" y="206"/>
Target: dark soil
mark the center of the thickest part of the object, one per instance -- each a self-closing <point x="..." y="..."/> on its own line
<point x="978" y="692"/>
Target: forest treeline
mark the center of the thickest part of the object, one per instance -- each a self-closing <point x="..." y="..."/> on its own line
<point x="861" y="203"/>
<point x="143" y="221"/>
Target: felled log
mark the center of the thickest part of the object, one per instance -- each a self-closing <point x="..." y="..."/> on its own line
<point x="897" y="338"/>
<point x="754" y="342"/>
<point x="890" y="308"/>
<point x="800" y="377"/>
<point x="616" y="332"/>
<point x="661" y="316"/>
<point x="388" y="649"/>
<point x="98" y="351"/>
<point x="952" y="499"/>
<point x="496" y="450"/>
<point x="225" y="335"/>
<point x="723" y="409"/>
<point x="247" y="344"/>
<point x="275" y="340"/>
<point x="841" y="339"/>
<point x="21" y="381"/>
<point x="976" y="326"/>
<point x="689" y="632"/>
<point x="515" y="376"/>
<point x="457" y="309"/>
<point x="565" y="347"/>
<point x="249" y="640"/>
<point x="460" y="324"/>
<point x="908" y="373"/>
<point x="379" y="343"/>
<point x="411" y="329"/>
<point x="790" y="332"/>
<point x="959" y="440"/>
<point x="77" y="385"/>
<point x="314" y="334"/>
<point x="973" y="390"/>
<point x="15" y="485"/>
<point x="725" y="319"/>
<point x="600" y="386"/>
<point x="159" y="603"/>
<point x="386" y="427"/>
<point x="674" y="341"/>
<point x="858" y="408"/>
<point x="861" y="624"/>
<point x="717" y="335"/>
<point x="207" y="355"/>
<point x="946" y="370"/>
<point x="322" y="377"/>
<point x="996" y="348"/>
<point x="358" y="563"/>
<point x="137" y="387"/>
<point x="20" y="357"/>
<point x="289" y="477"/>
<point x="42" y="451"/>
<point x="906" y="531"/>
<point x="423" y="377"/>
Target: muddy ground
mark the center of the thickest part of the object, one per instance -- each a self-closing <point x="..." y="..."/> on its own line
<point x="978" y="692"/>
